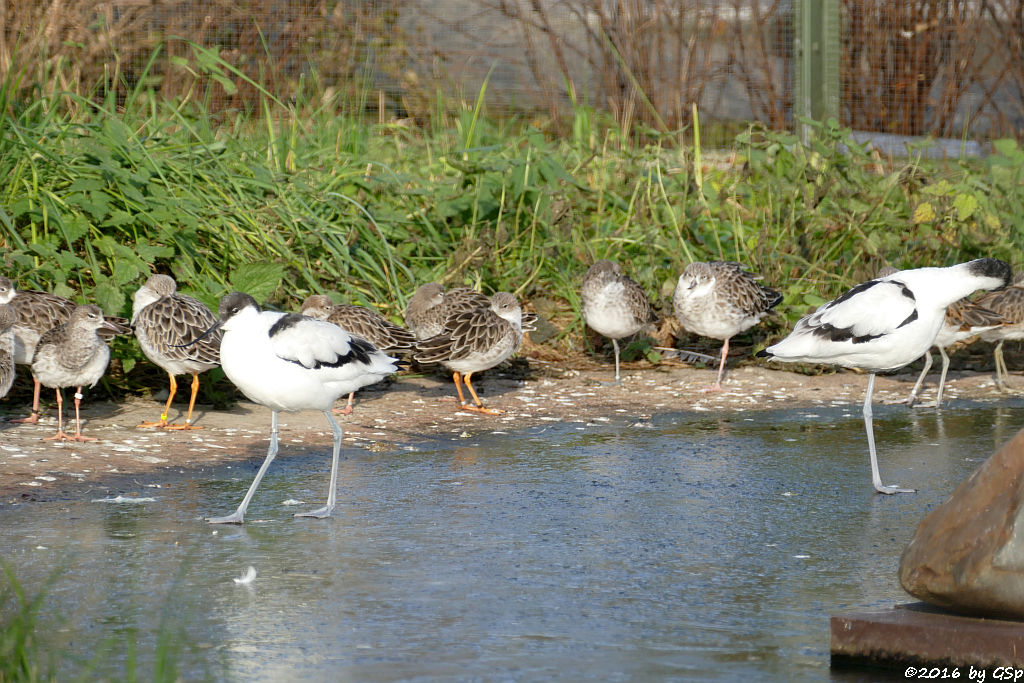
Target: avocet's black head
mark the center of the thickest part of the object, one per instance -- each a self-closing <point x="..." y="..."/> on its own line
<point x="234" y="303"/>
<point x="993" y="268"/>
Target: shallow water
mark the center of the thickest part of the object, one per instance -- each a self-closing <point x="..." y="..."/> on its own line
<point x="687" y="547"/>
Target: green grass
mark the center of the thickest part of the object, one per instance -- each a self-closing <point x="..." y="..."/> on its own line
<point x="305" y="197"/>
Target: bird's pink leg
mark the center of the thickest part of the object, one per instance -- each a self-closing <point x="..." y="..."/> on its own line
<point x="717" y="386"/>
<point x="78" y="420"/>
<point x="60" y="435"/>
<point x="34" y="417"/>
<point x="347" y="410"/>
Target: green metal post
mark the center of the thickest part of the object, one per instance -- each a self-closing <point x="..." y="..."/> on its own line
<point x="816" y="50"/>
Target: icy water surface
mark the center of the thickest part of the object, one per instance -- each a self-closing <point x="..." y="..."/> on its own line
<point x="688" y="547"/>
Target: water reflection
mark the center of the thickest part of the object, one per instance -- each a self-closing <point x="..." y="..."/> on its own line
<point x="691" y="546"/>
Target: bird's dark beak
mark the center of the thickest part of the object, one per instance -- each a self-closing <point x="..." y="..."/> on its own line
<point x="204" y="335"/>
<point x="115" y="327"/>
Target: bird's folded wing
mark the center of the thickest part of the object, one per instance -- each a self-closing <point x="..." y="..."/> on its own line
<point x="870" y="309"/>
<point x="312" y="343"/>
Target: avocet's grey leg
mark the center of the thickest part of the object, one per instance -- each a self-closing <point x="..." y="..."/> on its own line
<point x="920" y="380"/>
<point x="326" y="510"/>
<point x="942" y="377"/>
<point x="876" y="479"/>
<point x="239" y="514"/>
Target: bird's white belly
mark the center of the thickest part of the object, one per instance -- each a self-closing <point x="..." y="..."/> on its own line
<point x="478" y="361"/>
<point x="887" y="352"/>
<point x="283" y="385"/>
<point x="722" y="325"/>
<point x="54" y="375"/>
<point x="25" y="341"/>
<point x="612" y="319"/>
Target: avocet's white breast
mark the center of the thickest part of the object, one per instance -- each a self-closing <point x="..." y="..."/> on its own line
<point x="290" y="362"/>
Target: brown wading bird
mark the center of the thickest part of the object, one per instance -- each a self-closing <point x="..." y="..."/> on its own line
<point x="73" y="354"/>
<point x="361" y="322"/>
<point x="473" y="341"/>
<point x="37" y="313"/>
<point x="7" y="319"/>
<point x="431" y="306"/>
<point x="614" y="305"/>
<point x="165" y="322"/>
<point x="720" y="299"/>
<point x="1009" y="303"/>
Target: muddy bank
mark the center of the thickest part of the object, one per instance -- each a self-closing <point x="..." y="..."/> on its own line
<point x="410" y="410"/>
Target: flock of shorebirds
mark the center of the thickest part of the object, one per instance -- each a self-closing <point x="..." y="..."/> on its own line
<point x="308" y="360"/>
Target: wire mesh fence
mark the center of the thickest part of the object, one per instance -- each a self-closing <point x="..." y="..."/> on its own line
<point x="950" y="68"/>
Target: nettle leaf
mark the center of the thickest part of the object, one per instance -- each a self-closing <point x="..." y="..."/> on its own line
<point x="965" y="205"/>
<point x="924" y="213"/>
<point x="75" y="227"/>
<point x="62" y="289"/>
<point x="125" y="271"/>
<point x="259" y="280"/>
<point x="118" y="218"/>
<point x="86" y="184"/>
<point x="109" y="297"/>
<point x="69" y="261"/>
<point x="1006" y="146"/>
<point x="939" y="189"/>
<point x="812" y="299"/>
<point x="151" y="252"/>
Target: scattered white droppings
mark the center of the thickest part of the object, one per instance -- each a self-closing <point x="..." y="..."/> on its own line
<point x="125" y="499"/>
<point x="292" y="501"/>
<point x="46" y="478"/>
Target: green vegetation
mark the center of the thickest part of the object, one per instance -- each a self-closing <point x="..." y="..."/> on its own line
<point x="306" y="196"/>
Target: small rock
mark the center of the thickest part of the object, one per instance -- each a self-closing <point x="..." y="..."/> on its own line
<point x="967" y="555"/>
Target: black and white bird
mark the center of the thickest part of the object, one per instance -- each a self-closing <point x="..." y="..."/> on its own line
<point x="362" y="322"/>
<point x="965" y="320"/>
<point x="883" y="324"/>
<point x="289" y="362"/>
<point x="164" y="321"/>
<point x="73" y="354"/>
<point x="720" y="299"/>
<point x="614" y="305"/>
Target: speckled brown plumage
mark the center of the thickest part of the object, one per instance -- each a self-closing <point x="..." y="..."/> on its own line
<point x="37" y="313"/>
<point x="360" y="321"/>
<point x="431" y="306"/>
<point x="613" y="304"/>
<point x="7" y="319"/>
<point x="720" y="299"/>
<point x="1009" y="303"/>
<point x="475" y="340"/>
<point x="72" y="354"/>
<point x="165" y="323"/>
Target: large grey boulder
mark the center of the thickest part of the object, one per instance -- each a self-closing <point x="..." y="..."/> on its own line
<point x="968" y="554"/>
